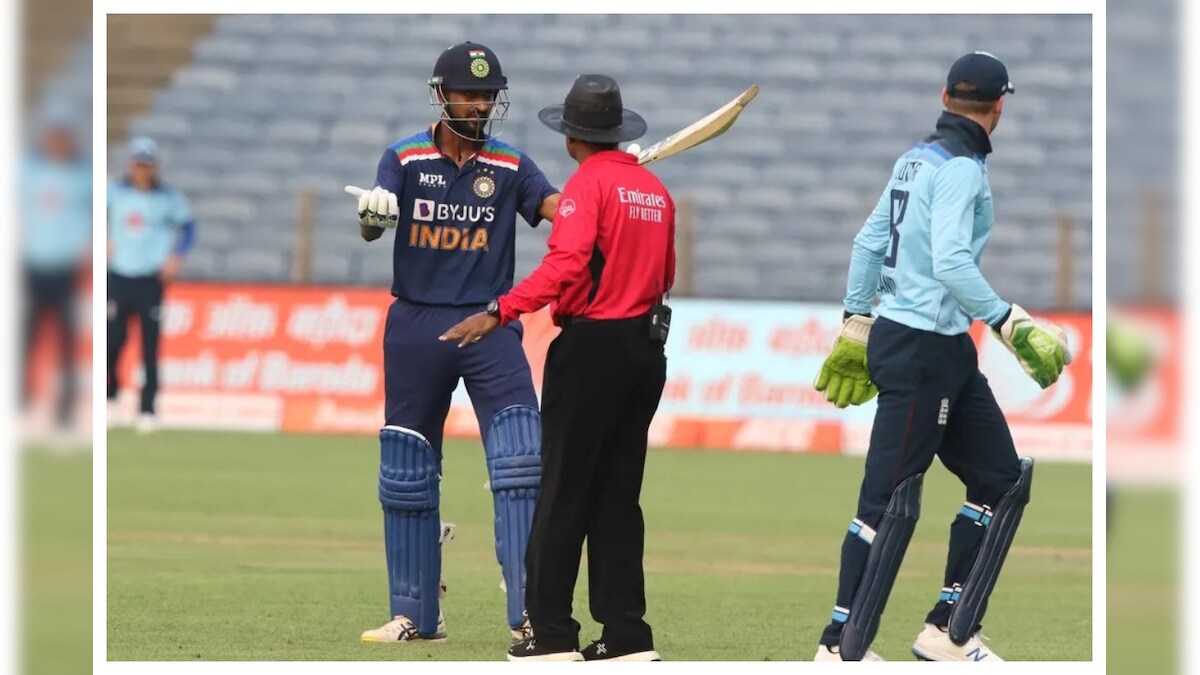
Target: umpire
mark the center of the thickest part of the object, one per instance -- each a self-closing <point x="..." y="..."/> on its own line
<point x="611" y="262"/>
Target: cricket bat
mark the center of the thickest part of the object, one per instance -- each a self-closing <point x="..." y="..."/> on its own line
<point x="713" y="125"/>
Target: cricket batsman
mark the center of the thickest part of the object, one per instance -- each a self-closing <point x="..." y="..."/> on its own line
<point x="919" y="252"/>
<point x="452" y="192"/>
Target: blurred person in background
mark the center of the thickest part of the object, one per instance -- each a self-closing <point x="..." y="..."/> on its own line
<point x="56" y="237"/>
<point x="1129" y="355"/>
<point x="150" y="231"/>
<point x="1129" y="360"/>
<point x="1147" y="353"/>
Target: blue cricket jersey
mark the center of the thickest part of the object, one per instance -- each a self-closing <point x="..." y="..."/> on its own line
<point x="455" y="243"/>
<point x="55" y="213"/>
<point x="919" y="249"/>
<point x="145" y="227"/>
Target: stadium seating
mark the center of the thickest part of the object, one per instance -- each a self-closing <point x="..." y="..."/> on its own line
<point x="273" y="104"/>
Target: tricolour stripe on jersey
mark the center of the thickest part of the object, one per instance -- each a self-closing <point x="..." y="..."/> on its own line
<point x="498" y="155"/>
<point x="422" y="149"/>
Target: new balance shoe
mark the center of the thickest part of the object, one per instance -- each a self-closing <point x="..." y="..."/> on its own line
<point x="934" y="644"/>
<point x="831" y="654"/>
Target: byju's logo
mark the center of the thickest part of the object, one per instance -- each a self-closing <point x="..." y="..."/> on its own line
<point x="432" y="180"/>
<point x="423" y="209"/>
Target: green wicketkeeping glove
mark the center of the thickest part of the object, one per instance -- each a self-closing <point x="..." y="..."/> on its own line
<point x="1041" y="349"/>
<point x="1130" y="353"/>
<point x="843" y="376"/>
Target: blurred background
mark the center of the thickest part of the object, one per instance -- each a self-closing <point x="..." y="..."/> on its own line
<point x="1145" y="423"/>
<point x="270" y="336"/>
<point x="250" y="105"/>
<point x="295" y="107"/>
<point x="53" y="334"/>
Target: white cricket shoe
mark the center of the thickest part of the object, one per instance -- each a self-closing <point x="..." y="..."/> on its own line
<point x="146" y="424"/>
<point x="446" y="535"/>
<point x="522" y="632"/>
<point x="402" y="629"/>
<point x="934" y="644"/>
<point x="831" y="654"/>
<point x="64" y="441"/>
<point x="113" y="416"/>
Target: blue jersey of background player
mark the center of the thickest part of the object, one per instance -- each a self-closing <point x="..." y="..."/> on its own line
<point x="919" y="252"/>
<point x="453" y="192"/>
<point x="55" y="202"/>
<point x="150" y="232"/>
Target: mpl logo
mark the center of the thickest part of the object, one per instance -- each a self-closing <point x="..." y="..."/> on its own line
<point x="424" y="209"/>
<point x="432" y="180"/>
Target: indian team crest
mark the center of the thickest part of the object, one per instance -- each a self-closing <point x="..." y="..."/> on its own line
<point x="484" y="187"/>
<point x="480" y="67"/>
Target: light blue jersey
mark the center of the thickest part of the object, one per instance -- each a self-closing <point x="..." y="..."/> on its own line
<point x="55" y="213"/>
<point x="919" y="249"/>
<point x="145" y="227"/>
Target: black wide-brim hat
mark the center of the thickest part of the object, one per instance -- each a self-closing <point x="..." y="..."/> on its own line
<point x="593" y="112"/>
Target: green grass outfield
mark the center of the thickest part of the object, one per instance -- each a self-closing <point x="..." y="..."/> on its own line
<point x="1144" y="593"/>
<point x="269" y="547"/>
<point x="56" y="561"/>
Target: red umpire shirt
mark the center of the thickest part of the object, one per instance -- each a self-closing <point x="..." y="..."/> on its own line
<point x="612" y="247"/>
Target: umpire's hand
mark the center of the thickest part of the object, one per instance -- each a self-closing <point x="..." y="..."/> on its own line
<point x="471" y="329"/>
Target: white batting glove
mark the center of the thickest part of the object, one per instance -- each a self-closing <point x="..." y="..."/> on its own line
<point x="376" y="208"/>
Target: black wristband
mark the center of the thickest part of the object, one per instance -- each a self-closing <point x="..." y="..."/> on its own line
<point x="846" y="314"/>
<point x="1003" y="320"/>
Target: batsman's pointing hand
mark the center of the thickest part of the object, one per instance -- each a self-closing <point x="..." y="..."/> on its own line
<point x="376" y="208"/>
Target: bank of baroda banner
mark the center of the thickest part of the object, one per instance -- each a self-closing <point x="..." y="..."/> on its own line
<point x="301" y="359"/>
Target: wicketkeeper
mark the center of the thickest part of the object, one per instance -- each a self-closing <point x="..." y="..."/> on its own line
<point x="453" y="192"/>
<point x="919" y="252"/>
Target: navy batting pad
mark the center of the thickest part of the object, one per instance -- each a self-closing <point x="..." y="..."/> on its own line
<point x="513" y="447"/>
<point x="408" y="490"/>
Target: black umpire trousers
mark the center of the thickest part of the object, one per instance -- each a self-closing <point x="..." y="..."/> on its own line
<point x="50" y="292"/>
<point x="933" y="401"/>
<point x="141" y="297"/>
<point x="602" y="385"/>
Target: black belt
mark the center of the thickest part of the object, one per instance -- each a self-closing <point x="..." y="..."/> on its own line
<point x="568" y="321"/>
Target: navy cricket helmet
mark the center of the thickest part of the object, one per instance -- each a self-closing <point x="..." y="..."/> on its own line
<point x="470" y="67"/>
